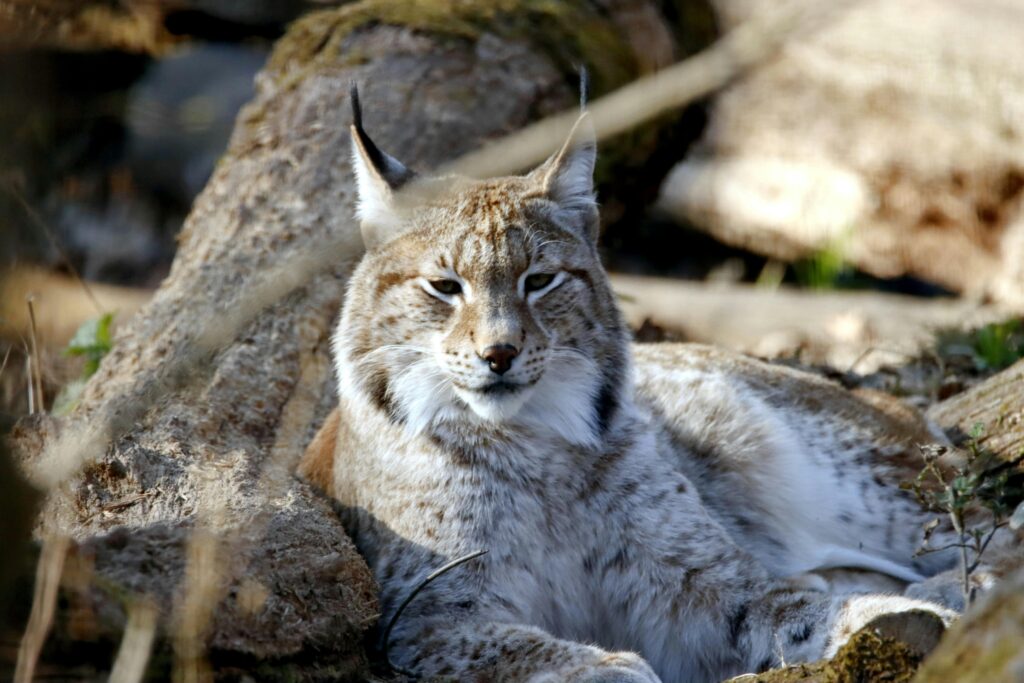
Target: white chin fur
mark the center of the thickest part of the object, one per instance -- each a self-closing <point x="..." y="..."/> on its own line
<point x="498" y="408"/>
<point x="562" y="403"/>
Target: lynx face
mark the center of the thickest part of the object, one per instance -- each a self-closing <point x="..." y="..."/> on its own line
<point x="482" y="303"/>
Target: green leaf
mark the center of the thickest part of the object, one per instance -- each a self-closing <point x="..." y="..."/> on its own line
<point x="93" y="334"/>
<point x="91" y="340"/>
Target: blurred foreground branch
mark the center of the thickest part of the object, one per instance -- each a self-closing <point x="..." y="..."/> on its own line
<point x="748" y="45"/>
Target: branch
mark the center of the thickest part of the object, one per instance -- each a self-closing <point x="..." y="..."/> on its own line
<point x="646" y="98"/>
<point x="984" y="545"/>
<point x="385" y="638"/>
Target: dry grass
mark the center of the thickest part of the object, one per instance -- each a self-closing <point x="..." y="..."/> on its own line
<point x="44" y="599"/>
<point x="139" y="634"/>
<point x="205" y="580"/>
<point x="36" y="366"/>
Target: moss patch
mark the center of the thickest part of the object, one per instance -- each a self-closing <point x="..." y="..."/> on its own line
<point x="866" y="658"/>
<point x="571" y="32"/>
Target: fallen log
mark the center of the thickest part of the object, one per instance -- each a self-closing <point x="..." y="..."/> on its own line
<point x="849" y="330"/>
<point x="992" y="413"/>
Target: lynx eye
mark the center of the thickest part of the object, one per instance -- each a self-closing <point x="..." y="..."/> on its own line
<point x="446" y="287"/>
<point x="537" y="281"/>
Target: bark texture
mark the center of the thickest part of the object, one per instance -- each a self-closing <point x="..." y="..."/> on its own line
<point x="893" y="136"/>
<point x="193" y="503"/>
<point x="997" y="405"/>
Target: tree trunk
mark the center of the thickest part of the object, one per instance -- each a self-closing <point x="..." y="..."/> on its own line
<point x="192" y="424"/>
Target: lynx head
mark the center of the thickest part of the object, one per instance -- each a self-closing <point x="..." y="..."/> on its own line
<point x="482" y="305"/>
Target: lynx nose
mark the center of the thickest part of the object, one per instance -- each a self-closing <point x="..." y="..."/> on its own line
<point x="499" y="357"/>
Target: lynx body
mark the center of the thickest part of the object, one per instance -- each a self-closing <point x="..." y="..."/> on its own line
<point x="671" y="513"/>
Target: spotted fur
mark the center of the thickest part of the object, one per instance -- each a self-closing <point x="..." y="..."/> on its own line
<point x="675" y="523"/>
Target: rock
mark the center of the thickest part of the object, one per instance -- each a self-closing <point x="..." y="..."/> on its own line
<point x="876" y="136"/>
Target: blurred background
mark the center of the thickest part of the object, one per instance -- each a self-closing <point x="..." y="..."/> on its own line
<point x="852" y="203"/>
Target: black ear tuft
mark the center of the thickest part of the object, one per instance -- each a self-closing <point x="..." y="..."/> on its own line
<point x="357" y="109"/>
<point x="392" y="171"/>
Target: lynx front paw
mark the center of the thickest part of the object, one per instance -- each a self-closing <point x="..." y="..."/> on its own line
<point x="914" y="622"/>
<point x="616" y="674"/>
<point x="620" y="667"/>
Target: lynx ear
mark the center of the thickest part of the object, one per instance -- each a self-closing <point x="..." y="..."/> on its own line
<point x="378" y="176"/>
<point x="567" y="178"/>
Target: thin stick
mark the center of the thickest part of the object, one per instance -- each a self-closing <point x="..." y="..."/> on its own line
<point x="386" y="636"/>
<point x="30" y="385"/>
<point x="57" y="246"/>
<point x="3" y="366"/>
<point x="44" y="599"/>
<point x="40" y="399"/>
<point x="139" y="633"/>
<point x="981" y="549"/>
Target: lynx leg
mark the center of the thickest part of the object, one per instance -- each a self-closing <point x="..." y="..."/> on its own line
<point x="698" y="607"/>
<point x="494" y="651"/>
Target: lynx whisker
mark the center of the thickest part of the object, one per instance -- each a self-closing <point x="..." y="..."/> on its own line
<point x="374" y="356"/>
<point x="568" y="352"/>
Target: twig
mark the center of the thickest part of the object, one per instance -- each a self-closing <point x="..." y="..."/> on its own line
<point x="208" y="553"/>
<point x="29" y="385"/>
<point x="37" y="361"/>
<point x="139" y="633"/>
<point x="44" y="599"/>
<point x="965" y="572"/>
<point x="386" y="636"/>
<point x="646" y="98"/>
<point x="55" y="243"/>
<point x="981" y="548"/>
<point x="925" y="551"/>
<point x="3" y="366"/>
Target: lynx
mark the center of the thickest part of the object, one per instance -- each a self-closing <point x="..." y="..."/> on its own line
<point x="667" y="512"/>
